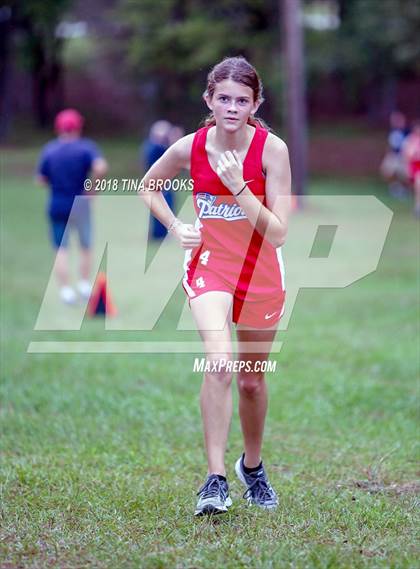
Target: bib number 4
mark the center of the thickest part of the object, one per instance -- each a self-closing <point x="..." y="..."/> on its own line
<point x="200" y="282"/>
<point x="204" y="257"/>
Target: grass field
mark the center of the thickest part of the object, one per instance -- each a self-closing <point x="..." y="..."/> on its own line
<point x="101" y="455"/>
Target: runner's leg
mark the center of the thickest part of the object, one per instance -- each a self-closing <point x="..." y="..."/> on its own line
<point x="212" y="312"/>
<point x="252" y="390"/>
<point x="62" y="266"/>
<point x="85" y="263"/>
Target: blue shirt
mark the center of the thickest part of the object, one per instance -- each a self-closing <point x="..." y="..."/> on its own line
<point x="152" y="152"/>
<point x="396" y="139"/>
<point x="66" y="164"/>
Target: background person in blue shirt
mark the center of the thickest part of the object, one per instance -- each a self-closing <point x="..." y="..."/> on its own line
<point x="64" y="165"/>
<point x="393" y="168"/>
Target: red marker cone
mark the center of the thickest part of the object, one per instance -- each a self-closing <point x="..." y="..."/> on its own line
<point x="100" y="302"/>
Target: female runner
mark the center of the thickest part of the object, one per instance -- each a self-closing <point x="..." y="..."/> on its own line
<point x="233" y="265"/>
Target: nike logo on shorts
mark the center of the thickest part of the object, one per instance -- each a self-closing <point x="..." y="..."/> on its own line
<point x="268" y="316"/>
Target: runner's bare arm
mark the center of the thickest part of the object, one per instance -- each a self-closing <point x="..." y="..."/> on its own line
<point x="41" y="180"/>
<point x="176" y="158"/>
<point x="99" y="167"/>
<point x="271" y="221"/>
<point x="278" y="187"/>
<point x="98" y="170"/>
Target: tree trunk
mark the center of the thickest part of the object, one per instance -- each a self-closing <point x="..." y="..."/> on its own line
<point x="39" y="83"/>
<point x="5" y="75"/>
<point x="295" y="93"/>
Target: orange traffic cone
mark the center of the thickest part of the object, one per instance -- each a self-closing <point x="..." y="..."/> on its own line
<point x="100" y="302"/>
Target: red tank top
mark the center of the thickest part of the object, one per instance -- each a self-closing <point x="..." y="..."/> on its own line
<point x="233" y="243"/>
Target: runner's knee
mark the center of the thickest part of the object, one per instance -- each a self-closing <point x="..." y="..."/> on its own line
<point x="250" y="383"/>
<point x="219" y="367"/>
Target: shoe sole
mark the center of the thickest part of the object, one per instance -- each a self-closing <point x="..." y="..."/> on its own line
<point x="241" y="477"/>
<point x="211" y="509"/>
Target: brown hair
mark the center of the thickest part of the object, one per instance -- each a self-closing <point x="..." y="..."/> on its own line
<point x="240" y="70"/>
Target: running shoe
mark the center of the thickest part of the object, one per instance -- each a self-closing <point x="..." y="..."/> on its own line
<point x="213" y="497"/>
<point x="67" y="295"/>
<point x="258" y="489"/>
<point x="85" y="289"/>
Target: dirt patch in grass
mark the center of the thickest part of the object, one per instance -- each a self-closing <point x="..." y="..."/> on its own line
<point x="376" y="486"/>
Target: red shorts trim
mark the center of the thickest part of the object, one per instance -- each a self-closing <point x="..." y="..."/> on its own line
<point x="257" y="311"/>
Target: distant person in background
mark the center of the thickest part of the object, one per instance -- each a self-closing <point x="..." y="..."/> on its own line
<point x="155" y="146"/>
<point x="64" y="164"/>
<point x="393" y="167"/>
<point x="175" y="134"/>
<point x="411" y="154"/>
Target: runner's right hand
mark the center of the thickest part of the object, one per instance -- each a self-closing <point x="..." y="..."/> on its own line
<point x="188" y="236"/>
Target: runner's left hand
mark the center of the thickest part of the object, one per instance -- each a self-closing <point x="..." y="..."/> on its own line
<point x="231" y="171"/>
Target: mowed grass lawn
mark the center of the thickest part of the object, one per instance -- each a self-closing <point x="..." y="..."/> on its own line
<point x="102" y="454"/>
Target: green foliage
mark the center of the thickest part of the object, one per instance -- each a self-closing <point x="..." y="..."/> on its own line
<point x="186" y="36"/>
<point x="375" y="44"/>
<point x="175" y="43"/>
<point x="39" y="20"/>
<point x="382" y="37"/>
<point x="44" y="13"/>
<point x="376" y="40"/>
<point x="39" y="50"/>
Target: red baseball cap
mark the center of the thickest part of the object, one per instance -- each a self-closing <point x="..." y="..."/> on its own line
<point x="68" y="120"/>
